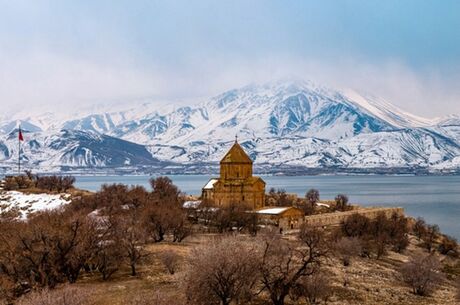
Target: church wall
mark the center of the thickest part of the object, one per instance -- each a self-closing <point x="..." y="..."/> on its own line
<point x="227" y="194"/>
<point x="235" y="170"/>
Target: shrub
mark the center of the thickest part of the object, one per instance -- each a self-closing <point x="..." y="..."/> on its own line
<point x="221" y="272"/>
<point x="419" y="228"/>
<point x="346" y="248"/>
<point x="66" y="295"/>
<point x="430" y="237"/>
<point x="170" y="260"/>
<point x="422" y="274"/>
<point x="448" y="246"/>
<point x="315" y="289"/>
<point x="398" y="230"/>
<point x="355" y="226"/>
<point x="155" y="298"/>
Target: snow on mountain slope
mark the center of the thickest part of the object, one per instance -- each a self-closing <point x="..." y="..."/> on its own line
<point x="385" y="111"/>
<point x="281" y="123"/>
<point x="73" y="148"/>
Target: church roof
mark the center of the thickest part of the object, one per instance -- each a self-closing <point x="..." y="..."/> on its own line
<point x="236" y="154"/>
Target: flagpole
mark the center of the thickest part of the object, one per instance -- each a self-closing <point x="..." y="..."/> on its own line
<point x="19" y="152"/>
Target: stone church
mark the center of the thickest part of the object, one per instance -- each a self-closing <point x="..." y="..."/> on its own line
<point x="236" y="184"/>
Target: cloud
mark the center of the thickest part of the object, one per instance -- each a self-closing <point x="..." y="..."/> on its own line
<point x="41" y="79"/>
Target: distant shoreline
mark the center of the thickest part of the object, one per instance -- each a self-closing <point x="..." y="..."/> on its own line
<point x="315" y="172"/>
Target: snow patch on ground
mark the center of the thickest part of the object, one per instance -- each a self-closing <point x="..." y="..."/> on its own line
<point x="26" y="204"/>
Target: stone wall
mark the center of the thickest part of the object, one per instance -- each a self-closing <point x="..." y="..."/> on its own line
<point x="333" y="219"/>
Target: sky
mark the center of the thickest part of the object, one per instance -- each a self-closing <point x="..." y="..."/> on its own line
<point x="65" y="54"/>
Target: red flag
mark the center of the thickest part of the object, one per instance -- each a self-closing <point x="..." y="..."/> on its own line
<point x="21" y="138"/>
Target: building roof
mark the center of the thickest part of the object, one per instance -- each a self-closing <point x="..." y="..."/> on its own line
<point x="275" y="210"/>
<point x="210" y="184"/>
<point x="236" y="154"/>
<point x="272" y="211"/>
<point x="254" y="179"/>
<point x="191" y="204"/>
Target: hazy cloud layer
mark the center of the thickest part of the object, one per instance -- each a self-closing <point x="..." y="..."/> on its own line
<point x="70" y="54"/>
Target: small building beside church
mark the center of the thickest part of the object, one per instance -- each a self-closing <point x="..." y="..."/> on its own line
<point x="236" y="184"/>
<point x="286" y="218"/>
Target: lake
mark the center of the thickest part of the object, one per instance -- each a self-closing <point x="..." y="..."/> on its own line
<point x="435" y="198"/>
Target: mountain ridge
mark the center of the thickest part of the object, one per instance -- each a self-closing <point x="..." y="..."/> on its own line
<point x="281" y="123"/>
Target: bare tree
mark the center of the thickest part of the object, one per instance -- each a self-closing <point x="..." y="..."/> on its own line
<point x="170" y="260"/>
<point x="165" y="191"/>
<point x="422" y="274"/>
<point x="312" y="196"/>
<point x="132" y="238"/>
<point x="348" y="247"/>
<point x="284" y="264"/>
<point x="179" y="225"/>
<point x="419" y="228"/>
<point x="157" y="221"/>
<point x="221" y="272"/>
<point x="355" y="225"/>
<point x="430" y="237"/>
<point x="341" y="202"/>
<point x="397" y="230"/>
<point x="50" y="248"/>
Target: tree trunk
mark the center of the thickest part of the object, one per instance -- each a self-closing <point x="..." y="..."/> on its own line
<point x="133" y="269"/>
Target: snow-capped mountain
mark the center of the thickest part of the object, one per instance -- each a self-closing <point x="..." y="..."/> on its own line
<point x="66" y="149"/>
<point x="280" y="124"/>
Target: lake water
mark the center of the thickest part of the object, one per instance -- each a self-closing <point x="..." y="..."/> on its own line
<point x="435" y="198"/>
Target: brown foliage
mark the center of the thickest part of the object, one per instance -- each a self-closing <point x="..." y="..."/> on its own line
<point x="221" y="272"/>
<point x="165" y="191"/>
<point x="378" y="234"/>
<point x="17" y="182"/>
<point x="422" y="274"/>
<point x="50" y="248"/>
<point x="236" y="216"/>
<point x="279" y="198"/>
<point x="99" y="232"/>
<point x="355" y="226"/>
<point x="55" y="183"/>
<point x="164" y="211"/>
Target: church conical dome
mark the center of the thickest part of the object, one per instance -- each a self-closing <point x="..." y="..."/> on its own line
<point x="236" y="154"/>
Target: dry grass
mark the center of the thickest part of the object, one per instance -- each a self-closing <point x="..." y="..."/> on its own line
<point x="368" y="281"/>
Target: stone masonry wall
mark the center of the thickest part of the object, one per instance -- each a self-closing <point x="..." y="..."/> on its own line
<point x="333" y="219"/>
